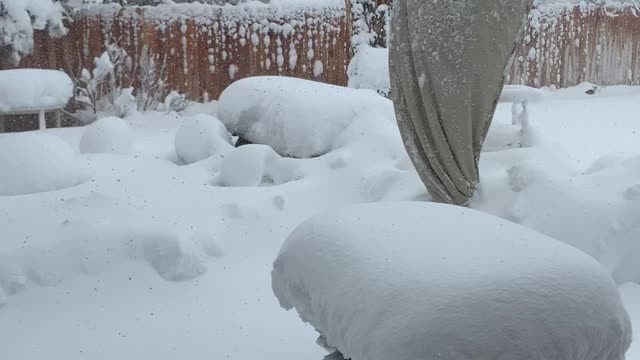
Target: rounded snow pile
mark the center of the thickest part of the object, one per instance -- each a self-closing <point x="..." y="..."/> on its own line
<point x="255" y="165"/>
<point x="199" y="137"/>
<point x="409" y="281"/>
<point x="109" y="135"/>
<point x="297" y="118"/>
<point x="36" y="162"/>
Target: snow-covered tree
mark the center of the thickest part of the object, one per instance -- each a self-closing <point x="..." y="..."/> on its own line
<point x="18" y="20"/>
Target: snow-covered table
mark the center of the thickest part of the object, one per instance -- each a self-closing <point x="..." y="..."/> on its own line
<point x="34" y="91"/>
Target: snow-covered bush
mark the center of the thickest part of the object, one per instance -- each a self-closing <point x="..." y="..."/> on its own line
<point x="100" y="91"/>
<point x="201" y="136"/>
<point x="297" y="118"/>
<point x="36" y="162"/>
<point x="153" y="84"/>
<point x="175" y="102"/>
<point x="108" y="90"/>
<point x="109" y="135"/>
<point x="18" y="20"/>
<point x="420" y="280"/>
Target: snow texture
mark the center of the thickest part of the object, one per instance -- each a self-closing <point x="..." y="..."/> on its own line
<point x="36" y="162"/>
<point x="200" y="137"/>
<point x="108" y="135"/>
<point x="33" y="89"/>
<point x="405" y="281"/>
<point x="297" y="118"/>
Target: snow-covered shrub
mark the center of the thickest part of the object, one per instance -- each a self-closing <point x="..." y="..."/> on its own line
<point x="297" y="118"/>
<point x="406" y="281"/>
<point x="153" y="85"/>
<point x="36" y="162"/>
<point x="100" y="91"/>
<point x="18" y="19"/>
<point x="201" y="136"/>
<point x="175" y="102"/>
<point x="109" y="135"/>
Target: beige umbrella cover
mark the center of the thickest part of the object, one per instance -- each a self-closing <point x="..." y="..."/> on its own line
<point x="448" y="61"/>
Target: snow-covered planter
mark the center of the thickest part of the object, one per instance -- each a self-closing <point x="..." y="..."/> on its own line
<point x="408" y="281"/>
<point x="297" y="118"/>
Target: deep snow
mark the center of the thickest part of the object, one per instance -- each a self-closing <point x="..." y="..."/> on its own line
<point x="419" y="280"/>
<point x="149" y="258"/>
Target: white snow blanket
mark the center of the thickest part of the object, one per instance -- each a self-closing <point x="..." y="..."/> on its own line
<point x="412" y="280"/>
<point x="297" y="118"/>
<point x="34" y="89"/>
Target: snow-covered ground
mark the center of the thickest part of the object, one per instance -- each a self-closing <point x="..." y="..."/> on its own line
<point x="125" y="252"/>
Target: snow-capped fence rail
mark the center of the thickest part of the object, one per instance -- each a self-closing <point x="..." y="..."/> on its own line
<point x="206" y="47"/>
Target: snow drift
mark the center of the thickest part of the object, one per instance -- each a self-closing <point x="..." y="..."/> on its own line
<point x="36" y="162"/>
<point x="297" y="118"/>
<point x="407" y="281"/>
<point x="199" y="137"/>
<point x="108" y="135"/>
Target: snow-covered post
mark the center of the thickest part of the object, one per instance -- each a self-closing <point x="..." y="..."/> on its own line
<point x="18" y="20"/>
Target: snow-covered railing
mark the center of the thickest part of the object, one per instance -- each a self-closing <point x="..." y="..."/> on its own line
<point x="206" y="47"/>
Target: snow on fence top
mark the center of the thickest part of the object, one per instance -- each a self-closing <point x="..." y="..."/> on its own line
<point x="206" y="47"/>
<point x="26" y="90"/>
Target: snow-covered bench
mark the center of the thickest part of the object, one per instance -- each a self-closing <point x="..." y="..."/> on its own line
<point x="34" y="91"/>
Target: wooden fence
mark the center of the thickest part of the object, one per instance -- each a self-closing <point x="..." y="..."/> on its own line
<point x="565" y="44"/>
<point x="207" y="47"/>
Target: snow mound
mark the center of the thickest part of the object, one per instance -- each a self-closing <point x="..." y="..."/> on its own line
<point x="36" y="162"/>
<point x="405" y="281"/>
<point x="255" y="165"/>
<point x="109" y="135"/>
<point x="297" y="118"/>
<point x="34" y="89"/>
<point x="201" y="136"/>
<point x="369" y="69"/>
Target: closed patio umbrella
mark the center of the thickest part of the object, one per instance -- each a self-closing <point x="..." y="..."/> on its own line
<point x="447" y="67"/>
